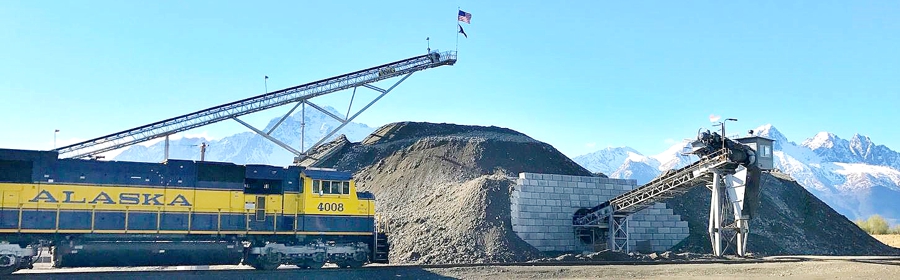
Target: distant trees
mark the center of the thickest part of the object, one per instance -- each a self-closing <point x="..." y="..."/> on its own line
<point x="876" y="224"/>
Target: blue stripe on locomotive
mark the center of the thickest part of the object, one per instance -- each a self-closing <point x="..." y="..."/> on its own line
<point x="45" y="167"/>
<point x="172" y="221"/>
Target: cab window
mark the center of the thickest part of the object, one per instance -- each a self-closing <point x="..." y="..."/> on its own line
<point x="331" y="187"/>
<point x="326" y="187"/>
<point x="766" y="151"/>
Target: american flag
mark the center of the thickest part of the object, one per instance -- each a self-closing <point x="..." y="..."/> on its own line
<point x="465" y="17"/>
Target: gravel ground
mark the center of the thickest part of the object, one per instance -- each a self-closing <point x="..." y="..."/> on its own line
<point x="803" y="270"/>
<point x="813" y="268"/>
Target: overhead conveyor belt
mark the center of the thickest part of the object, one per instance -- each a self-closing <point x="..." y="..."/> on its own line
<point x="301" y="93"/>
<point x="730" y="169"/>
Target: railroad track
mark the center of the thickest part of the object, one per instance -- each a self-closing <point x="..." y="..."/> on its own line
<point x="367" y="272"/>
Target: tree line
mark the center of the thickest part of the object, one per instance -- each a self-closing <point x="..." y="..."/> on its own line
<point x="876" y="224"/>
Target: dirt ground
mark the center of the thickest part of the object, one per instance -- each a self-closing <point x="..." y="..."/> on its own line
<point x="831" y="269"/>
<point x="892" y="240"/>
<point x="821" y="268"/>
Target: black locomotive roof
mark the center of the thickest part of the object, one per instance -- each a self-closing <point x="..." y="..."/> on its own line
<point x="328" y="175"/>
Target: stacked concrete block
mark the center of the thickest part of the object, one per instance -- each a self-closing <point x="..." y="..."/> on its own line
<point x="658" y="226"/>
<point x="542" y="206"/>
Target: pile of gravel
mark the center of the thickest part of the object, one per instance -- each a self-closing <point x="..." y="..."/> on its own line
<point x="443" y="197"/>
<point x="443" y="190"/>
<point x="790" y="221"/>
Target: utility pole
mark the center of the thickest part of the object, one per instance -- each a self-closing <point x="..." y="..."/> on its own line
<point x="303" y="128"/>
<point x="203" y="151"/>
<point x="166" y="158"/>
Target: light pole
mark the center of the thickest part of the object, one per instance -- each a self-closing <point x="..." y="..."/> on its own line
<point x="55" y="132"/>
<point x="266" y="82"/>
<point x="723" y="129"/>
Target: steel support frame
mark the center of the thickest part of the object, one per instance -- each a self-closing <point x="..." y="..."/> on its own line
<point x="742" y="231"/>
<point x="288" y="114"/>
<point x="716" y="217"/>
<point x="619" y="233"/>
<point x="712" y="169"/>
<point x="267" y="136"/>
<point x="300" y="155"/>
<point x="347" y="121"/>
<point x="255" y="104"/>
<point x="720" y="209"/>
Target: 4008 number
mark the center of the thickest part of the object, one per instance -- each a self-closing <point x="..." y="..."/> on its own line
<point x="339" y="207"/>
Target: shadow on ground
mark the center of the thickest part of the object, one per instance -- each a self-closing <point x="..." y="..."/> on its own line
<point x="367" y="273"/>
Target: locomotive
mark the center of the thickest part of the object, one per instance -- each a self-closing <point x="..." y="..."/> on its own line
<point x="180" y="212"/>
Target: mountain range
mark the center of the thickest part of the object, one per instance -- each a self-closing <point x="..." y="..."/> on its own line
<point x="856" y="177"/>
<point x="249" y="147"/>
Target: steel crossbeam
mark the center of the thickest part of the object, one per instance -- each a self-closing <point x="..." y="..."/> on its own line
<point x="254" y="104"/>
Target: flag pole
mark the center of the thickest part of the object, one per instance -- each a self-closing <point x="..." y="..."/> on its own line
<point x="457" y="30"/>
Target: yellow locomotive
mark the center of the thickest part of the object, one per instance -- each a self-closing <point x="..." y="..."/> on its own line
<point x="109" y="213"/>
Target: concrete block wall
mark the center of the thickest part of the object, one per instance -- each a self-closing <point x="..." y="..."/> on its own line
<point x="542" y="206"/>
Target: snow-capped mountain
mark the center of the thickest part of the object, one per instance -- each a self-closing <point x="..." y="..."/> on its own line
<point x="607" y="160"/>
<point x="856" y="177"/>
<point x="248" y="147"/>
<point x="627" y="163"/>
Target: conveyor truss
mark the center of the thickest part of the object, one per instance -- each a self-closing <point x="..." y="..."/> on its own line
<point x="729" y="177"/>
<point x="300" y="95"/>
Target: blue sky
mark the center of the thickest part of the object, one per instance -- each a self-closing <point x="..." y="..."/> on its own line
<point x="581" y="75"/>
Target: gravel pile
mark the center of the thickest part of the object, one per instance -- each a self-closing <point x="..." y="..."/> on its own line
<point x="443" y="190"/>
<point x="443" y="197"/>
<point x="790" y="221"/>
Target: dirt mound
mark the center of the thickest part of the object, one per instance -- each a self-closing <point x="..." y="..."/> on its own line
<point x="443" y="190"/>
<point x="443" y="196"/>
<point x="790" y="221"/>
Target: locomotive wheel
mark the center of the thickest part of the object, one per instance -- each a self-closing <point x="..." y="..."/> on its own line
<point x="269" y="261"/>
<point x="358" y="260"/>
<point x="317" y="261"/>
